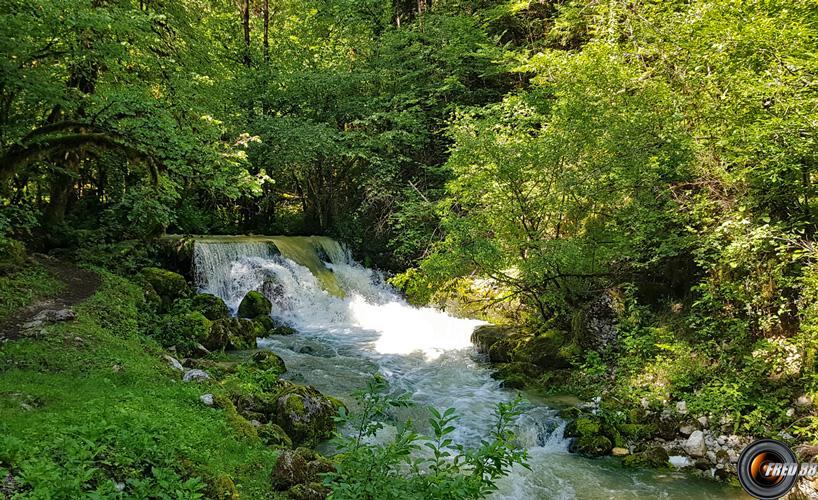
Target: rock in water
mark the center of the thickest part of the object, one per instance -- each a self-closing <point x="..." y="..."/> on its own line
<point x="695" y="445"/>
<point x="253" y="305"/>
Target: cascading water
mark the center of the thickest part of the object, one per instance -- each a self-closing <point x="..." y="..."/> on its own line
<point x="351" y="324"/>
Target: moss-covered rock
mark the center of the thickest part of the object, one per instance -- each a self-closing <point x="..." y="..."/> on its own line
<point x="283" y="330"/>
<point x="167" y="284"/>
<point x="268" y="361"/>
<point x="654" y="457"/>
<point x="267" y="324"/>
<point x="12" y="255"/>
<point x="242" y="427"/>
<point x="253" y="305"/>
<point x="233" y="334"/>
<point x="308" y="491"/>
<point x="637" y="432"/>
<point x="305" y="415"/>
<point x="297" y="467"/>
<point x="223" y="488"/>
<point x="515" y="375"/>
<point x="591" y="446"/>
<point x="485" y="336"/>
<point x="184" y="332"/>
<point x="274" y="435"/>
<point x="546" y="351"/>
<point x="210" y="306"/>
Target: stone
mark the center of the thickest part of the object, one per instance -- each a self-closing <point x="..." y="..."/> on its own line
<point x="681" y="407"/>
<point x="206" y="399"/>
<point x="274" y="435"/>
<point x="210" y="306"/>
<point x="253" y="305"/>
<point x="233" y="334"/>
<point x="686" y="430"/>
<point x="308" y="491"/>
<point x="485" y="336"/>
<point x="305" y="415"/>
<point x="599" y="325"/>
<point x="169" y="286"/>
<point x="695" y="445"/>
<point x="803" y="400"/>
<point x="173" y="363"/>
<point x="291" y="468"/>
<point x="703" y="421"/>
<point x="268" y="361"/>
<point x="195" y="376"/>
<point x="620" y="452"/>
<point x="591" y="446"/>
<point x="654" y="457"/>
<point x="184" y="331"/>
<point x="54" y="315"/>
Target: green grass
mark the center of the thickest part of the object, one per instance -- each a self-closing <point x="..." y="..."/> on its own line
<point x="21" y="289"/>
<point x="92" y="404"/>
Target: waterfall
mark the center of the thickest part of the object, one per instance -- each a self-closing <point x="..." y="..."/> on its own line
<point x="351" y="323"/>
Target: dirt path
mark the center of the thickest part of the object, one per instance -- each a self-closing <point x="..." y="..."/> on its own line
<point x="79" y="285"/>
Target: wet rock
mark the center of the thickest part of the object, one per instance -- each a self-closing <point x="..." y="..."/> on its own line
<point x="196" y="376"/>
<point x="254" y="304"/>
<point x="210" y="306"/>
<point x="695" y="445"/>
<point x="654" y="457"/>
<point x="486" y="336"/>
<point x="591" y="446"/>
<point x="305" y="415"/>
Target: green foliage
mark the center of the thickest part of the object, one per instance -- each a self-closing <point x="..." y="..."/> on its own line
<point x="413" y="465"/>
<point x="94" y="407"/>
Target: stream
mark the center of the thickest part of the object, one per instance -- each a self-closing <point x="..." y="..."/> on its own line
<point x="351" y="324"/>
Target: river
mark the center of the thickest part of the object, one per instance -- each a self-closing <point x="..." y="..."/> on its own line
<point x="351" y="324"/>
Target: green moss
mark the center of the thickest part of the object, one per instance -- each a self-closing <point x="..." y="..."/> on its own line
<point x="168" y="285"/>
<point x="587" y="427"/>
<point x="654" y="457"/>
<point x="210" y="306"/>
<point x="269" y="361"/>
<point x="254" y="304"/>
<point x="233" y="333"/>
<point x="224" y="488"/>
<point x="184" y="332"/>
<point x="592" y="446"/>
<point x="273" y="435"/>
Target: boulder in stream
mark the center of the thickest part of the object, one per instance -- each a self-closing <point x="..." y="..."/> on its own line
<point x="254" y="304"/>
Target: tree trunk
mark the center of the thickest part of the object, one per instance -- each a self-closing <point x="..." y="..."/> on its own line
<point x="246" y="23"/>
<point x="266" y="41"/>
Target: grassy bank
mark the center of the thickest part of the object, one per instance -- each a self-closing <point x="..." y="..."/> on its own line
<point x="90" y="407"/>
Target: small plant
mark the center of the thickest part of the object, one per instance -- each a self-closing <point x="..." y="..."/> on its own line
<point x="414" y="466"/>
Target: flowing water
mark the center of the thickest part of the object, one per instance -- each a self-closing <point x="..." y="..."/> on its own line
<point x="352" y="325"/>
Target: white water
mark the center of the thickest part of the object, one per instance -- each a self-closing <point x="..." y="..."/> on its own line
<point x="421" y="351"/>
